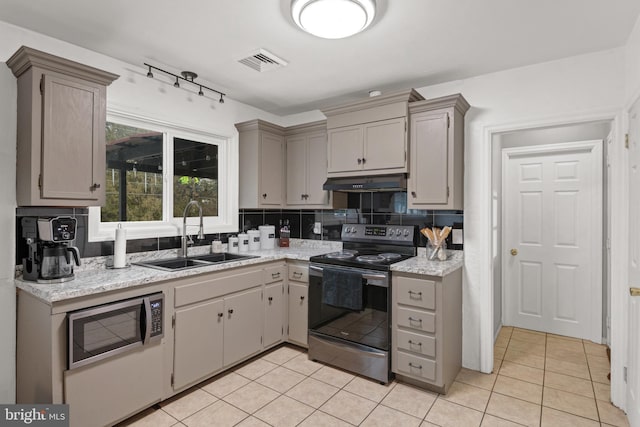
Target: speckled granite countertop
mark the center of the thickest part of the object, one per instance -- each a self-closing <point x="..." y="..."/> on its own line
<point x="421" y="265"/>
<point x="94" y="278"/>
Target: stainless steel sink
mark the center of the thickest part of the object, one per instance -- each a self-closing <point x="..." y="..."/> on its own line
<point x="176" y="264"/>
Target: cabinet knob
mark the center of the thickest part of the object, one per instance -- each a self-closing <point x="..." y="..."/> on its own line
<point x="95" y="186"/>
<point x="230" y="311"/>
<point x="364" y="160"/>
<point x="413" y="194"/>
<point x="302" y="197"/>
<point x="302" y="298"/>
<point x="359" y="161"/>
<point x="220" y="314"/>
<point x="514" y="252"/>
<point x="264" y="195"/>
<point x="270" y="299"/>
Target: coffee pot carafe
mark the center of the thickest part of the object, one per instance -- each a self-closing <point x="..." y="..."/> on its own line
<point x="51" y="256"/>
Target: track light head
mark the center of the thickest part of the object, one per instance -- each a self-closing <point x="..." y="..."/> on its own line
<point x="176" y="84"/>
<point x="150" y="74"/>
<point x="201" y="93"/>
<point x="221" y="99"/>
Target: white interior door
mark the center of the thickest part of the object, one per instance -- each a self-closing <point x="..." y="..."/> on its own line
<point x="552" y="235"/>
<point x="633" y="362"/>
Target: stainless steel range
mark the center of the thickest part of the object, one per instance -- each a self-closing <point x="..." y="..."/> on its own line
<point x="350" y="298"/>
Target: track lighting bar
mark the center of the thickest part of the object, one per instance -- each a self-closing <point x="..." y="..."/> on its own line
<point x="187" y="76"/>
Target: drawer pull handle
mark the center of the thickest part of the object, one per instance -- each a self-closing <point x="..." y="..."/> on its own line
<point x="275" y="275"/>
<point x="415" y="366"/>
<point x="415" y="343"/>
<point x="230" y="311"/>
<point x="411" y="294"/>
<point x="297" y="274"/>
<point x="270" y="299"/>
<point x="411" y="319"/>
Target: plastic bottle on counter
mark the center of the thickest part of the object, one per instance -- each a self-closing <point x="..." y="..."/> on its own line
<point x="284" y="234"/>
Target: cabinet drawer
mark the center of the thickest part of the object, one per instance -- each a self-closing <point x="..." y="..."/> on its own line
<point x="416" y="366"/>
<point x="416" y="292"/>
<point x="274" y="274"/>
<point x="416" y="343"/>
<point x="416" y="319"/>
<point x="299" y="273"/>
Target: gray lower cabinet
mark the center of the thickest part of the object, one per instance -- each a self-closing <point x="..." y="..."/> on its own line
<point x="426" y="331"/>
<point x="197" y="349"/>
<point x="274" y="304"/>
<point x="242" y="319"/>
<point x="298" y="303"/>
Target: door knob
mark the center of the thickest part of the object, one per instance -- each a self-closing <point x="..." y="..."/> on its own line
<point x="635" y="292"/>
<point x="514" y="252"/>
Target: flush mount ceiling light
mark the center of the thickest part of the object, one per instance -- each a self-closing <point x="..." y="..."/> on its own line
<point x="333" y="19"/>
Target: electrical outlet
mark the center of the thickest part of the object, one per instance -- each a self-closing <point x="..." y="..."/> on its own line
<point x="317" y="228"/>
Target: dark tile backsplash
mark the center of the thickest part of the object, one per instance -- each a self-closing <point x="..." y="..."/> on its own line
<point x="367" y="208"/>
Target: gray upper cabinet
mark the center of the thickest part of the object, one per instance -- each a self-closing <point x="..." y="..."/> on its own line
<point x="306" y="147"/>
<point x="437" y="153"/>
<point x="61" y="130"/>
<point x="261" y="164"/>
<point x="369" y="137"/>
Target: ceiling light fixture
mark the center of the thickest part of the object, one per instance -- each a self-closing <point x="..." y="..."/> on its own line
<point x="333" y="19"/>
<point x="187" y="76"/>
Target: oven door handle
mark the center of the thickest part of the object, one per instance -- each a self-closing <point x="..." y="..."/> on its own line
<point x="368" y="276"/>
<point x="315" y="268"/>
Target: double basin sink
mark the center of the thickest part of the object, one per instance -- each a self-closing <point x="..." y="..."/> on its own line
<point x="176" y="264"/>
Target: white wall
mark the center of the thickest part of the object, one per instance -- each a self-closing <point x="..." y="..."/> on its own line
<point x="580" y="86"/>
<point x="632" y="66"/>
<point x="8" y="103"/>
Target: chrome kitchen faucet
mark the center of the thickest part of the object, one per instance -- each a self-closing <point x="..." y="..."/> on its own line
<point x="183" y="251"/>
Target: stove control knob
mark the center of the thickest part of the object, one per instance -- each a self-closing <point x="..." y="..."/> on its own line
<point x="391" y="232"/>
<point x="353" y="230"/>
<point x="398" y="232"/>
<point x="347" y="229"/>
<point x="406" y="233"/>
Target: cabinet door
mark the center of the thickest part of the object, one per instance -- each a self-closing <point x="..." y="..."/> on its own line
<point x="298" y="311"/>
<point x="428" y="180"/>
<point x="271" y="169"/>
<point x="297" y="170"/>
<point x="73" y="154"/>
<point x="317" y="170"/>
<point x="345" y="149"/>
<point x="385" y="145"/>
<point x="198" y="342"/>
<point x="242" y="320"/>
<point x="273" y="313"/>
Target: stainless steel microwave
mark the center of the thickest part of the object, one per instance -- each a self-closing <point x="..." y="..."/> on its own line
<point x="100" y="332"/>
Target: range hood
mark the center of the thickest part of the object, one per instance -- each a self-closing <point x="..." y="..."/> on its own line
<point x="357" y="184"/>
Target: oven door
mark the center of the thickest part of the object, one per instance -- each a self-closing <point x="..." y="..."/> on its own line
<point x="350" y="304"/>
<point x="100" y="332"/>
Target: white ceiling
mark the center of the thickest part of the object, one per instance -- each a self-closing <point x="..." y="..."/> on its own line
<point x="412" y="43"/>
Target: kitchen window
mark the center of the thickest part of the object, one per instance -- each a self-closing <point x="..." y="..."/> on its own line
<point x="154" y="169"/>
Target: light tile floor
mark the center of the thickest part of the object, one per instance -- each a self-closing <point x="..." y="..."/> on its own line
<point x="539" y="380"/>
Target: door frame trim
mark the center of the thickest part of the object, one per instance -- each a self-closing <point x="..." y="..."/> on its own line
<point x="481" y="247"/>
<point x="593" y="148"/>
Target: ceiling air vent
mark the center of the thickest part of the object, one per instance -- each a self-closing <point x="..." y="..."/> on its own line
<point x="262" y="60"/>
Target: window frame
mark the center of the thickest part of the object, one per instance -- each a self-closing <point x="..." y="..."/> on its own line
<point x="169" y="226"/>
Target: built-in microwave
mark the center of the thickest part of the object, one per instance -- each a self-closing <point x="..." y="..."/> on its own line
<point x="103" y="331"/>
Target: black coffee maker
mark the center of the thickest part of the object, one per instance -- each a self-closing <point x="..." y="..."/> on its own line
<point x="51" y="257"/>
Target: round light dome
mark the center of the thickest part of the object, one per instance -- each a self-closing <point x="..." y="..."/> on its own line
<point x="333" y="19"/>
